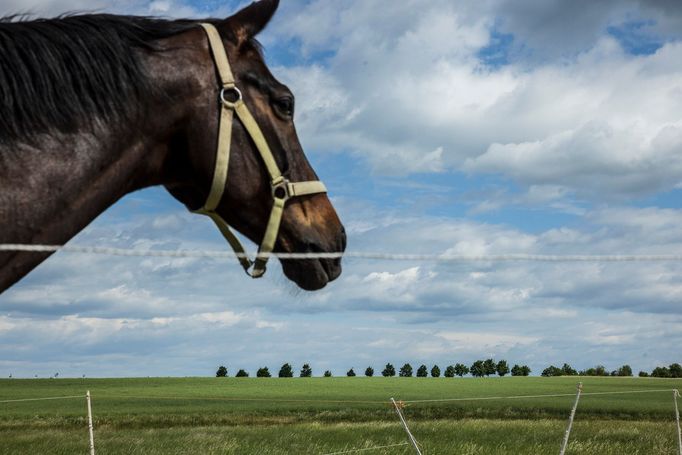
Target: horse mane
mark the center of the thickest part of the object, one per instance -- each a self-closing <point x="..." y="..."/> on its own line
<point x="58" y="74"/>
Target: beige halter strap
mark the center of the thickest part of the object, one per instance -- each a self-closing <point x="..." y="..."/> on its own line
<point x="282" y="189"/>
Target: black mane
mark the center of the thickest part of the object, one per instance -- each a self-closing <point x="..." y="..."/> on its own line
<point x="57" y="74"/>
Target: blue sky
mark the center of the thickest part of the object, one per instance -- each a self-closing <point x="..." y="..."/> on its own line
<point x="488" y="127"/>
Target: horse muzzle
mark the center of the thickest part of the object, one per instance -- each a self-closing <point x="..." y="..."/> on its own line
<point x="314" y="273"/>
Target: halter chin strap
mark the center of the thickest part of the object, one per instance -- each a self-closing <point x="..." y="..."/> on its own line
<point x="282" y="189"/>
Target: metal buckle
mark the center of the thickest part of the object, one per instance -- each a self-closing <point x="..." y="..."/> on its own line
<point x="232" y="90"/>
<point x="281" y="190"/>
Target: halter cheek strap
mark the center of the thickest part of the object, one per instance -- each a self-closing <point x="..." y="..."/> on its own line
<point x="282" y="189"/>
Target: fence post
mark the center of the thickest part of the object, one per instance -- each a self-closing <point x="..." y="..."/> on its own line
<point x="570" y="419"/>
<point x="407" y="430"/>
<point x="676" y="394"/>
<point x="92" y="436"/>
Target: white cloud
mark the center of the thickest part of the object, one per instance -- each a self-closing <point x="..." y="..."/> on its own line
<point x="160" y="7"/>
<point x="46" y="8"/>
<point x="165" y="8"/>
<point x="598" y="123"/>
<point x="485" y="342"/>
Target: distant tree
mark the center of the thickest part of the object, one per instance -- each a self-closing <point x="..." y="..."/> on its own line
<point x="350" y="373"/>
<point x="389" y="371"/>
<point x="502" y="368"/>
<point x="435" y="372"/>
<point x="327" y="374"/>
<point x="675" y="370"/>
<point x="422" y="372"/>
<point x="306" y="371"/>
<point x="477" y="369"/>
<point x="405" y="371"/>
<point x="551" y="371"/>
<point x="599" y="370"/>
<point x="242" y="374"/>
<point x="461" y="370"/>
<point x="369" y="372"/>
<point x="489" y="366"/>
<point x="520" y="370"/>
<point x="643" y="374"/>
<point x="568" y="370"/>
<point x="449" y="371"/>
<point x="286" y="371"/>
<point x="263" y="373"/>
<point x="221" y="373"/>
<point x="625" y="370"/>
<point x="660" y="372"/>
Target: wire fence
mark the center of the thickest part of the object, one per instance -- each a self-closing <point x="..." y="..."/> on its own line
<point x="398" y="406"/>
<point x="443" y="257"/>
<point x="519" y="397"/>
<point x="42" y="399"/>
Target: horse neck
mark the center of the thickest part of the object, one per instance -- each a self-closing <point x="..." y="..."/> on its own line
<point x="53" y="189"/>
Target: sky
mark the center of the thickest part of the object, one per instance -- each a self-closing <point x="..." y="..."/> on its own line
<point x="441" y="126"/>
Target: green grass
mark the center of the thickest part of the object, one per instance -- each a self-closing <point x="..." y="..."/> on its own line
<point x="322" y="415"/>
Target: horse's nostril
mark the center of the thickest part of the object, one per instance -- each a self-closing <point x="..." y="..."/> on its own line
<point x="343" y="239"/>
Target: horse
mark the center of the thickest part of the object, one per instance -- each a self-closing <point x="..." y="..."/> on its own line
<point x="96" y="106"/>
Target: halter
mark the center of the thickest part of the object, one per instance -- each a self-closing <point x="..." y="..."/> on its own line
<point x="282" y="188"/>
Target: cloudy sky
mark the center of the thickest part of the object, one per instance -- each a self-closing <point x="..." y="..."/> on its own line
<point x="487" y="127"/>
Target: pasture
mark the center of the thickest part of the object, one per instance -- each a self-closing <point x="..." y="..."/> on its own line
<point x="326" y="415"/>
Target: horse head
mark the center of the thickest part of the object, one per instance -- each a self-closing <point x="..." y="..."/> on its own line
<point x="246" y="195"/>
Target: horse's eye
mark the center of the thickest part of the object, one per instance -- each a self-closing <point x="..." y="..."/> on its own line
<point x="284" y="106"/>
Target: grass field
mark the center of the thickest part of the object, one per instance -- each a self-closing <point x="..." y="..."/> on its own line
<point x="325" y="415"/>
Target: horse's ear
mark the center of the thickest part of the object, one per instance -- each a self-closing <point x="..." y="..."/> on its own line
<point x="251" y="20"/>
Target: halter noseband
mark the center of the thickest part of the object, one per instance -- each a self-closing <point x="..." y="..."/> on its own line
<point x="282" y="189"/>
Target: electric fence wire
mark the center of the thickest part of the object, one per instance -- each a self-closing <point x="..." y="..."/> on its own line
<point x="444" y="257"/>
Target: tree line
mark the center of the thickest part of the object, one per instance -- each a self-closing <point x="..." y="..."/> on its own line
<point x="672" y="371"/>
<point x="480" y="368"/>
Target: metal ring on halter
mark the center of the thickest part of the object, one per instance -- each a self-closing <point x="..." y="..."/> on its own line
<point x="230" y="90"/>
<point x="281" y="191"/>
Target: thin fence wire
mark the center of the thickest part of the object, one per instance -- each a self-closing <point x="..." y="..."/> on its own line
<point x="519" y="397"/>
<point x="444" y="257"/>
<point x="246" y="400"/>
<point x="386" y="403"/>
<point x="367" y="449"/>
<point x="42" y="399"/>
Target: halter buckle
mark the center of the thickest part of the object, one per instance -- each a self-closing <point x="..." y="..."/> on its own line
<point x="230" y="96"/>
<point x="281" y="190"/>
